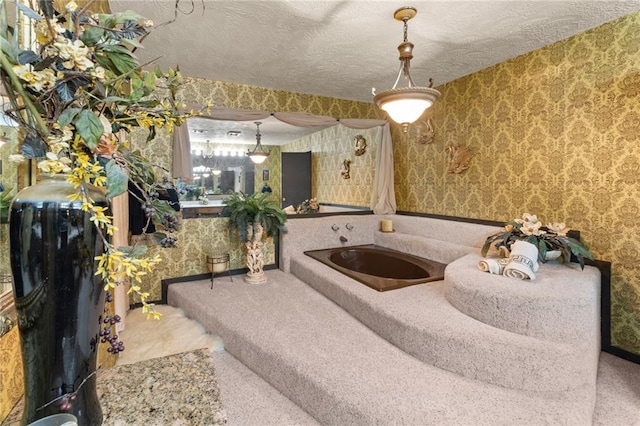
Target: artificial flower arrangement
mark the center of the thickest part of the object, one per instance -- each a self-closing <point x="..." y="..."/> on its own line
<point x="308" y="206"/>
<point x="547" y="238"/>
<point x="76" y="98"/>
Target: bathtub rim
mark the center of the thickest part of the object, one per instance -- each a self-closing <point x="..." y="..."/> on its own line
<point x="381" y="284"/>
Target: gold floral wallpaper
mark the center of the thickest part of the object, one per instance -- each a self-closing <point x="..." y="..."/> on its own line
<point x="329" y="147"/>
<point x="11" y="379"/>
<point x="554" y="132"/>
<point x="198" y="237"/>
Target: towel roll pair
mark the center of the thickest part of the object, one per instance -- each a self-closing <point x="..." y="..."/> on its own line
<point x="493" y="266"/>
<point x="521" y="264"/>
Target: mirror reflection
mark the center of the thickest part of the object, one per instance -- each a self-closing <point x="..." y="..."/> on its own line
<point x="222" y="170"/>
<point x="219" y="153"/>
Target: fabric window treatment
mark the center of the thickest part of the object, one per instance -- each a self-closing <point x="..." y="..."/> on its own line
<point x="383" y="200"/>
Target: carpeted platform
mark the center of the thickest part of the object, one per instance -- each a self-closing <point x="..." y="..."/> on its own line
<point x="421" y="321"/>
<point x="250" y="401"/>
<point x="341" y="372"/>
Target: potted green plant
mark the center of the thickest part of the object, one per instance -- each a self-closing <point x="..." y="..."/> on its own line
<point x="550" y="238"/>
<point x="253" y="218"/>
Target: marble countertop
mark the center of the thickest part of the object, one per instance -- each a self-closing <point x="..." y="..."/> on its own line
<point x="209" y="203"/>
<point x="177" y="389"/>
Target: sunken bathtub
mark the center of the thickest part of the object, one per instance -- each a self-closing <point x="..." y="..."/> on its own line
<point x="378" y="267"/>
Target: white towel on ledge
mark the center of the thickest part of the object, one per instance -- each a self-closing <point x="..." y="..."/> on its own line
<point x="520" y="267"/>
<point x="523" y="262"/>
<point x="493" y="266"/>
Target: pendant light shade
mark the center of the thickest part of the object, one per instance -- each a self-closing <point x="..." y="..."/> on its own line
<point x="406" y="104"/>
<point x="259" y="154"/>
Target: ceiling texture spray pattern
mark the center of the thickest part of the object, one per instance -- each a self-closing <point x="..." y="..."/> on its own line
<point x="343" y="49"/>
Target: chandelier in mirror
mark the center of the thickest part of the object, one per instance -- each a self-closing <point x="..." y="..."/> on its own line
<point x="259" y="154"/>
<point x="405" y="104"/>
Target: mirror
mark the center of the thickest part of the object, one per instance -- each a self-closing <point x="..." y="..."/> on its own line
<point x="220" y="163"/>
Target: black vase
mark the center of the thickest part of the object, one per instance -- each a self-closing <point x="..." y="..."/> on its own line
<point x="58" y="298"/>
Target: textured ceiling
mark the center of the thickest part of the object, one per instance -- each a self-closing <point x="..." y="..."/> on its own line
<point x="345" y="48"/>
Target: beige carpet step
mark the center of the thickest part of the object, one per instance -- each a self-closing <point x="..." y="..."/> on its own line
<point x="248" y="400"/>
<point x="421" y="321"/>
<point x="562" y="304"/>
<point x="341" y="372"/>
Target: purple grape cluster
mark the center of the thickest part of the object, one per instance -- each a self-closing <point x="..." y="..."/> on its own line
<point x="168" y="242"/>
<point x="108" y="297"/>
<point x="105" y="335"/>
<point x="171" y="222"/>
<point x="148" y="209"/>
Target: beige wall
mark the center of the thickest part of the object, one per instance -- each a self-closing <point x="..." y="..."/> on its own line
<point x="555" y="132"/>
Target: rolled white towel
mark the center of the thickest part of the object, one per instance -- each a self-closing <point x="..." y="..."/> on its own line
<point x="493" y="266"/>
<point x="520" y="267"/>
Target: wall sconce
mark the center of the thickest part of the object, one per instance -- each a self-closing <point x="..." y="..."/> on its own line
<point x="346" y="169"/>
<point x="459" y="158"/>
<point x="259" y="154"/>
<point x="406" y="104"/>
<point x="361" y="145"/>
<point x="425" y="134"/>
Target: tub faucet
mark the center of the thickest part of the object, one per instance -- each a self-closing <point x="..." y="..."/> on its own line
<point x="343" y="239"/>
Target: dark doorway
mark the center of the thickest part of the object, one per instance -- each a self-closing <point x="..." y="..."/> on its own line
<point x="227" y="181"/>
<point x="296" y="178"/>
<point x="249" y="184"/>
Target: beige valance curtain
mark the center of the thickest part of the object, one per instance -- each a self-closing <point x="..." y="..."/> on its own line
<point x="383" y="200"/>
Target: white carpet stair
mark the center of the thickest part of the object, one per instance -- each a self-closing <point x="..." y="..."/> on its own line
<point x="341" y="372"/>
<point x="474" y="349"/>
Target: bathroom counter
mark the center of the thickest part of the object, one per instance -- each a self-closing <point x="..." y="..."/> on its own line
<point x="195" y="209"/>
<point x="177" y="389"/>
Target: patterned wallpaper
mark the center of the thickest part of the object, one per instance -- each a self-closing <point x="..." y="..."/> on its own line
<point x="11" y="378"/>
<point x="198" y="237"/>
<point x="329" y="147"/>
<point x="554" y="132"/>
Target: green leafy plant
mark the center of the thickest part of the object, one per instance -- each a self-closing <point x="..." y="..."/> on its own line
<point x="547" y="238"/>
<point x="251" y="219"/>
<point x="76" y="97"/>
<point x="246" y="212"/>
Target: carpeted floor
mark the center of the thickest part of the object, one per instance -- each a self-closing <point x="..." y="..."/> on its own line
<point x="249" y="401"/>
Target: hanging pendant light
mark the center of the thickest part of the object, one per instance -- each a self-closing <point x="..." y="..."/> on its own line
<point x="406" y="104"/>
<point x="259" y="154"/>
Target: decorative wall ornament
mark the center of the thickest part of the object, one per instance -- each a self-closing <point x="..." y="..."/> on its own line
<point x="361" y="145"/>
<point x="459" y="158"/>
<point x="346" y="169"/>
<point x="425" y="134"/>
